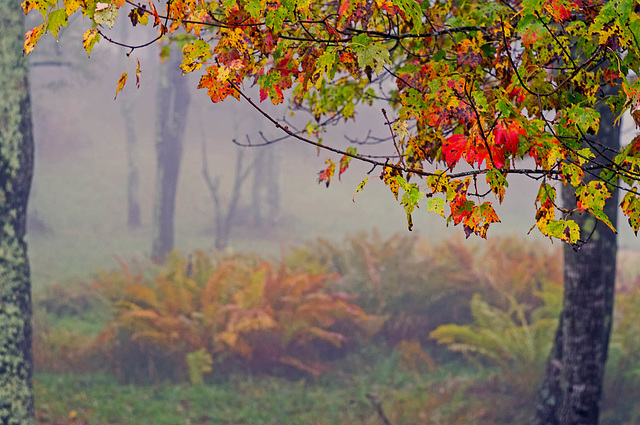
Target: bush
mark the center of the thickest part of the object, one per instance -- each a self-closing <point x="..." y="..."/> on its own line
<point x="240" y="311"/>
<point x="419" y="286"/>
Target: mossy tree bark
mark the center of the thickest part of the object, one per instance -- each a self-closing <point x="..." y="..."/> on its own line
<point x="173" y="103"/>
<point x="16" y="169"/>
<point x="572" y="390"/>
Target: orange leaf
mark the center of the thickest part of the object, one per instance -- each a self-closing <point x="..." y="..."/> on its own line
<point x="31" y="38"/>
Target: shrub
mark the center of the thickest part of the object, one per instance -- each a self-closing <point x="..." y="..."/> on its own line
<point x="414" y="286"/>
<point x="419" y="286"/>
<point x="622" y="378"/>
<point x="61" y="350"/>
<point x="242" y="311"/>
<point x="511" y="339"/>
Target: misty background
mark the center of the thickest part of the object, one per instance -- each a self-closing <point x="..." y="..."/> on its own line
<point x="79" y="210"/>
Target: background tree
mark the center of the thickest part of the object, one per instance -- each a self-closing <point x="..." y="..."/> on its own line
<point x="133" y="177"/>
<point x="173" y="105"/>
<point x="16" y="167"/>
<point x="478" y="84"/>
<point x="224" y="221"/>
<point x="265" y="187"/>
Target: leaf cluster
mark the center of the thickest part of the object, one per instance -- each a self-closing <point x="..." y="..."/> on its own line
<point x="475" y="87"/>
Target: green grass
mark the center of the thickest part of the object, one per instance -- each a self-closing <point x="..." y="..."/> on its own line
<point x="343" y="398"/>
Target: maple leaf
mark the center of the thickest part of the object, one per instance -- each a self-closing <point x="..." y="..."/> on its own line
<point x="369" y="53"/>
<point x="105" y="14"/>
<point x="631" y="208"/>
<point x="216" y="89"/>
<point x="454" y="147"/>
<point x="389" y="177"/>
<point x="31" y="38"/>
<point x="271" y="85"/>
<point x="194" y="54"/>
<point x="326" y="174"/>
<point x="592" y="197"/>
<point x="346" y="159"/>
<point x="468" y="53"/>
<point x="89" y="39"/>
<point x="507" y="135"/>
<point x="498" y="183"/>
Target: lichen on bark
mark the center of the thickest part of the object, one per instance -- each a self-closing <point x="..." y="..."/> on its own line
<point x="16" y="165"/>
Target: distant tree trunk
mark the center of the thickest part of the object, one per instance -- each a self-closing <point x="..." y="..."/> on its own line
<point x="257" y="210"/>
<point x="133" y="204"/>
<point x="173" y="103"/>
<point x="224" y="222"/>
<point x="16" y="169"/>
<point x="131" y="149"/>
<point x="572" y="390"/>
<point x="265" y="194"/>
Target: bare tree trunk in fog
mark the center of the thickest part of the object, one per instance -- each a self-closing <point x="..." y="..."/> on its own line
<point x="265" y="195"/>
<point x="133" y="204"/>
<point x="572" y="390"/>
<point x="173" y="103"/>
<point x="224" y="222"/>
<point x="133" y="198"/>
<point x="16" y="170"/>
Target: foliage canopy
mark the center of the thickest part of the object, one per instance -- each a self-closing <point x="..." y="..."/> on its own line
<point x="475" y="86"/>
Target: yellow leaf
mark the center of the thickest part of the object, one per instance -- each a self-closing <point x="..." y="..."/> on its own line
<point x="89" y="39"/>
<point x="121" y="82"/>
<point x="70" y="6"/>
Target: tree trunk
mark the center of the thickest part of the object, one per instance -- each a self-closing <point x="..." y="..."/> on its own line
<point x="572" y="390"/>
<point x="265" y="202"/>
<point x="16" y="169"/>
<point x="133" y="204"/>
<point x="173" y="103"/>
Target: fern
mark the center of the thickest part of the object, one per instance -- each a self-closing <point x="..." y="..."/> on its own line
<point x="508" y="339"/>
<point x="238" y="308"/>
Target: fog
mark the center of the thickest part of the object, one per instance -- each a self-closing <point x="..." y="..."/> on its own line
<point x="78" y="206"/>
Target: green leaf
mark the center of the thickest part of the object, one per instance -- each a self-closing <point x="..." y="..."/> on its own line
<point x="57" y="18"/>
<point x="565" y="230"/>
<point x="592" y="197"/>
<point x="164" y="52"/>
<point x="105" y="14"/>
<point x="439" y="55"/>
<point x="411" y="9"/>
<point x="498" y="182"/>
<point x="436" y="205"/>
<point x="370" y="54"/>
<point x="410" y="198"/>
<point x="572" y="172"/>
<point x="325" y="65"/>
<point x="194" y="54"/>
<point x="631" y="208"/>
<point x="255" y="8"/>
<point x="275" y="18"/>
<point x="229" y="4"/>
